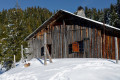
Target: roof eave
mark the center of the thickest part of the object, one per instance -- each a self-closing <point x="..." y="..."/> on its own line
<point x="100" y="23"/>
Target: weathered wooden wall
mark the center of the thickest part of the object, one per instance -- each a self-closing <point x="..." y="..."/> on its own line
<point x="96" y="43"/>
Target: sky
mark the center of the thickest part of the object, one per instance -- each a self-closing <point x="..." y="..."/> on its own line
<point x="69" y="5"/>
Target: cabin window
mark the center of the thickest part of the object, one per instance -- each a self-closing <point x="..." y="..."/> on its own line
<point x="81" y="46"/>
<point x="76" y="47"/>
<point x="70" y="48"/>
<point x="49" y="48"/>
<point x="42" y="51"/>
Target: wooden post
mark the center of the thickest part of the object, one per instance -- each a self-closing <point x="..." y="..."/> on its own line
<point x="65" y="55"/>
<point x="14" y="61"/>
<point x="22" y="58"/>
<point x="116" y="50"/>
<point x="101" y="47"/>
<point x="84" y="49"/>
<point x="61" y="42"/>
<point x="48" y="55"/>
<point x="104" y="54"/>
<point x="45" y="57"/>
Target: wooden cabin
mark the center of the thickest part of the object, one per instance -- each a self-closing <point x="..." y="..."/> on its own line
<point x="74" y="36"/>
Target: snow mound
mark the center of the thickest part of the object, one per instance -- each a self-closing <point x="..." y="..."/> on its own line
<point x="65" y="69"/>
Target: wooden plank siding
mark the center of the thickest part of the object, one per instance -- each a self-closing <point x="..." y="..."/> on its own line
<point x="106" y="46"/>
<point x="119" y="48"/>
<point x="113" y="48"/>
<point x="59" y="37"/>
<point x="99" y="44"/>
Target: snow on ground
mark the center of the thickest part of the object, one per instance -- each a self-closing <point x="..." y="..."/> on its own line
<point x="2" y="70"/>
<point x="66" y="69"/>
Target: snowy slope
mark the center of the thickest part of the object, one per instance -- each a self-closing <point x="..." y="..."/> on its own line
<point x="2" y="70"/>
<point x="66" y="69"/>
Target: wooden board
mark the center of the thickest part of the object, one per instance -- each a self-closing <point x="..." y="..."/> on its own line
<point x="113" y="48"/>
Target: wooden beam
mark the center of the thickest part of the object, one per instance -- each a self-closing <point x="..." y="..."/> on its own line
<point x="45" y="57"/>
<point x="101" y="47"/>
<point x="65" y="40"/>
<point x="14" y="62"/>
<point x="22" y="58"/>
<point x="48" y="55"/>
<point x="116" y="50"/>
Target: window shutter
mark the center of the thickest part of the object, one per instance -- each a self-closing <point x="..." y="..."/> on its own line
<point x="75" y="47"/>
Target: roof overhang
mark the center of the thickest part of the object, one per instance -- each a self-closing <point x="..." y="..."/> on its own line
<point x="61" y="13"/>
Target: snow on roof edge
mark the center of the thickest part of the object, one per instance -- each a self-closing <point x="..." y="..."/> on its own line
<point x="92" y="20"/>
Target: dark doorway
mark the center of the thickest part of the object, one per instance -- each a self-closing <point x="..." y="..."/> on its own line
<point x="42" y="51"/>
<point x="49" y="48"/>
<point x="81" y="46"/>
<point x="70" y="48"/>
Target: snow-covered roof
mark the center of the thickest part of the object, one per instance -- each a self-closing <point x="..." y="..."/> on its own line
<point x="92" y="20"/>
<point x="64" y="11"/>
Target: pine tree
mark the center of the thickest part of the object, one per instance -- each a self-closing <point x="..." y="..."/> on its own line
<point x="94" y="14"/>
<point x="88" y="13"/>
<point x="15" y="25"/>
